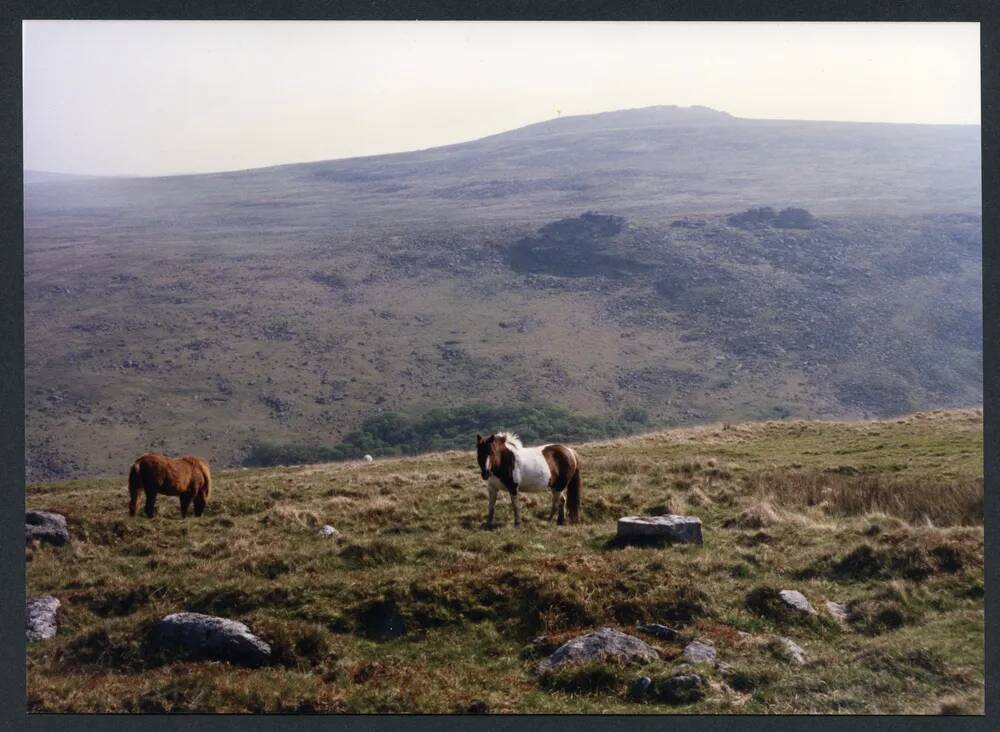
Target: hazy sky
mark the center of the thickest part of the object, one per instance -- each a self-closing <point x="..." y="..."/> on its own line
<point x="150" y="98"/>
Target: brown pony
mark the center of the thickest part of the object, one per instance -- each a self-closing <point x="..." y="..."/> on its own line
<point x="505" y="463"/>
<point x="186" y="477"/>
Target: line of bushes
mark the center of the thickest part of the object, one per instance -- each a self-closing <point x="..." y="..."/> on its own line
<point x="392" y="434"/>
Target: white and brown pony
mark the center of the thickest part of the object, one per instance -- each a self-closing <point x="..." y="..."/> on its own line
<point x="505" y="463"/>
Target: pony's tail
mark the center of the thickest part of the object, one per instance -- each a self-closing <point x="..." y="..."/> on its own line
<point x="573" y="496"/>
<point x="134" y="487"/>
<point x="208" y="479"/>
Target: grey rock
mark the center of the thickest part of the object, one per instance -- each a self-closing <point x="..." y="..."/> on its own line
<point x="700" y="651"/>
<point x="640" y="687"/>
<point x="326" y="531"/>
<point x="40" y="617"/>
<point x="601" y="645"/>
<point x="209" y="637"/>
<point x="682" y="529"/>
<point x="839" y="611"/>
<point x="45" y="526"/>
<point x="663" y="632"/>
<point x="797" y="601"/>
<point x="791" y="651"/>
<point x="680" y="689"/>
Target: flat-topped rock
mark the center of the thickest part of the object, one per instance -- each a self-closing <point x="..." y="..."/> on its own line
<point x="40" y="618"/>
<point x="682" y="688"/>
<point x="45" y="526"/>
<point x="671" y="527"/>
<point x="209" y="637"/>
<point x="606" y="644"/>
<point x="795" y="600"/>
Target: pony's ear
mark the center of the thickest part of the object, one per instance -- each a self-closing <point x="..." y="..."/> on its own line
<point x="479" y="439"/>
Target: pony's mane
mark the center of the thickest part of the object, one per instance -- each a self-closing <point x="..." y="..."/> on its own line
<point x="511" y="438"/>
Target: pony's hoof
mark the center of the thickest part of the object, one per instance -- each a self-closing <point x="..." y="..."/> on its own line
<point x="487" y="525"/>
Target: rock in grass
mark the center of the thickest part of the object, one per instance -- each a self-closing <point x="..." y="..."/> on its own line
<point x="679" y="689"/>
<point x="795" y="600"/>
<point x="605" y="644"/>
<point x="839" y="611"/>
<point x="326" y="531"/>
<point x="681" y="529"/>
<point x="663" y="632"/>
<point x="640" y="687"/>
<point x="45" y="526"/>
<point x="700" y="651"/>
<point x="40" y="618"/>
<point x="209" y="637"/>
<point x="791" y="651"/>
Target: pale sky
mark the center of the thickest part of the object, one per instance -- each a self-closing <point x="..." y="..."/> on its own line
<point x="161" y="97"/>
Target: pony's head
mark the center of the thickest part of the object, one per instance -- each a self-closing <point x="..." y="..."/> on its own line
<point x="487" y="454"/>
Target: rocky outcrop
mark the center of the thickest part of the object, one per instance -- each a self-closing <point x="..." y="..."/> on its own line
<point x="40" y="618"/>
<point x="46" y="527"/>
<point x="605" y="644"/>
<point x="207" y="637"/>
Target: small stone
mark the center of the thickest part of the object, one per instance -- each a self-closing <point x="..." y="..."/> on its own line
<point x="369" y="458"/>
<point x="205" y="636"/>
<point x="682" y="529"/>
<point x="639" y="687"/>
<point x="792" y="651"/>
<point x="839" y="611"/>
<point x="680" y="689"/>
<point x="797" y="601"/>
<point x="45" y="526"/>
<point x="700" y="651"/>
<point x="663" y="632"/>
<point x="605" y="644"/>
<point x="40" y="618"/>
<point x="326" y="531"/>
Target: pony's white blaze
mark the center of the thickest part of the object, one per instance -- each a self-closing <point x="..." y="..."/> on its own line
<point x="531" y="469"/>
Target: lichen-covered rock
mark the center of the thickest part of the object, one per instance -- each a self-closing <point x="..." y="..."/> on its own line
<point x="681" y="529"/>
<point x="795" y="600"/>
<point x="326" y="532"/>
<point x="45" y="526"/>
<point x="40" y="617"/>
<point x="605" y="644"/>
<point x="839" y="611"/>
<point x="791" y="651"/>
<point x="209" y="637"/>
<point x="700" y="651"/>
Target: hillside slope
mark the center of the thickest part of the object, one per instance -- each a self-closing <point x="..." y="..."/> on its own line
<point x="415" y="608"/>
<point x="285" y="309"/>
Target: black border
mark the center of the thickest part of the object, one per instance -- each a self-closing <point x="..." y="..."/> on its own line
<point x="12" y="678"/>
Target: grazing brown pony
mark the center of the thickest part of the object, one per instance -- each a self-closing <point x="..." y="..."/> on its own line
<point x="505" y="463"/>
<point x="187" y="477"/>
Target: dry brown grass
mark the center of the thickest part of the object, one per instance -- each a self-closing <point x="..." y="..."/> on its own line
<point x="916" y="500"/>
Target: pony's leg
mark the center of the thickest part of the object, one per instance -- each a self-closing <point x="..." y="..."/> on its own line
<point x="199" y="503"/>
<point x="185" y="502"/>
<point x="150" y="503"/>
<point x="517" y="508"/>
<point x="493" y="505"/>
<point x="562" y="513"/>
<point x="133" y="500"/>
<point x="555" y="505"/>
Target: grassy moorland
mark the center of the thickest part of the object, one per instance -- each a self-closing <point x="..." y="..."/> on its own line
<point x="884" y="516"/>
